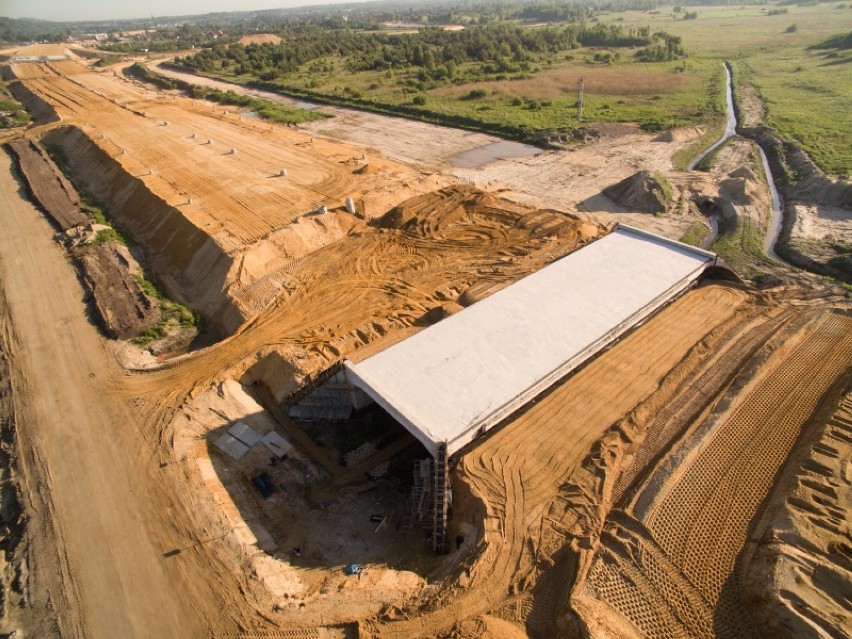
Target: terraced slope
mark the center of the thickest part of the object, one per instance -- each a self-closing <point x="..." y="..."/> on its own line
<point x="678" y="545"/>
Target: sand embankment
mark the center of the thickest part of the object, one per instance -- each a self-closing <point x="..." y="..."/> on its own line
<point x="40" y="111"/>
<point x="188" y="262"/>
<point x="47" y="185"/>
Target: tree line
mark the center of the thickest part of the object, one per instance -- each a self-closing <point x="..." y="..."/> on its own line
<point x="500" y="48"/>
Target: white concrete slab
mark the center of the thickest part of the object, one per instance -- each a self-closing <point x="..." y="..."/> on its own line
<point x="277" y="444"/>
<point x="455" y="379"/>
<point x="242" y="431"/>
<point x="230" y="445"/>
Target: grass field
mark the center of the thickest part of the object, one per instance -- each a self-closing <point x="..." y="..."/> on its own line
<point x="657" y="95"/>
<point x="12" y="113"/>
<point x="806" y="93"/>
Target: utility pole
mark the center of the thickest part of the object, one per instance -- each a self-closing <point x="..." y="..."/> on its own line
<point x="580" y="87"/>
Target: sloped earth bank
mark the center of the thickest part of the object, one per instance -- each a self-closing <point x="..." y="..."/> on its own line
<point x="47" y="186"/>
<point x="97" y="510"/>
<point x="141" y="529"/>
<point x="24" y="609"/>
<point x="119" y="304"/>
<point x="675" y="552"/>
<point x="202" y="190"/>
<point x="816" y="233"/>
<point x="798" y="593"/>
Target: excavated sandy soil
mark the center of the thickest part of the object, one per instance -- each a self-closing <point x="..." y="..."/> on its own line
<point x="625" y="502"/>
<point x="48" y="186"/>
<point x="219" y="220"/>
<point x="681" y="544"/>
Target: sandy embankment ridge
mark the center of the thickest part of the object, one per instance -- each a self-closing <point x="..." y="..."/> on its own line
<point x="221" y="224"/>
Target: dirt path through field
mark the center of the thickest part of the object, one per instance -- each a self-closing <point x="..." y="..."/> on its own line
<point x="96" y="497"/>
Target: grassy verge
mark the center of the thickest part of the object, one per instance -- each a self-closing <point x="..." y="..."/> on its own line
<point x="265" y="109"/>
<point x="525" y="108"/>
<point x="806" y="95"/>
<point x="805" y="91"/>
<point x="682" y="158"/>
<point x="174" y="314"/>
<point x="740" y="244"/>
<point x="709" y="161"/>
<point x="12" y="113"/>
<point x="695" y="234"/>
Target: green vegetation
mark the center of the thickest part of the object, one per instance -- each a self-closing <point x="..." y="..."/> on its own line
<point x="100" y="215"/>
<point x="265" y="109"/>
<point x="841" y="41"/>
<point x="668" y="190"/>
<point x="641" y="62"/>
<point x="96" y="211"/>
<point x="174" y="314"/>
<point x="804" y="77"/>
<point x="105" y="236"/>
<point x="496" y="49"/>
<point x="695" y="234"/>
<point x="12" y="113"/>
<point x="842" y="261"/>
<point x="709" y="161"/>
<point x="500" y="78"/>
<point x="107" y="60"/>
<point x="806" y="100"/>
<point x="740" y="244"/>
<point x="171" y="310"/>
<point x="711" y="135"/>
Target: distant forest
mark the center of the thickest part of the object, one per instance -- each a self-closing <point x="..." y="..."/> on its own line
<point x="501" y="48"/>
<point x="166" y="32"/>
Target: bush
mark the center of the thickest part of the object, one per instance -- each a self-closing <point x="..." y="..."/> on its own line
<point x="105" y="236"/>
<point x="475" y="94"/>
<point x="419" y="99"/>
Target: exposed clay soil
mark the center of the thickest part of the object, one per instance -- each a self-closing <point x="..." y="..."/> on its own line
<point x="260" y="38"/>
<point x="124" y="309"/>
<point x="48" y="186"/>
<point x="121" y="307"/>
<point x="624" y="502"/>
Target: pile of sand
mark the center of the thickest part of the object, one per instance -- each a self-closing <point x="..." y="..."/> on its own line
<point x="642" y="191"/>
<point x="679" y="135"/>
<point x="260" y="38"/>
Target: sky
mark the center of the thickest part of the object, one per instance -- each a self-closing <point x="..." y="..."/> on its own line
<point x="62" y="10"/>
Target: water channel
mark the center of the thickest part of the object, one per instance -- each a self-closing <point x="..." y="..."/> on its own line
<point x="773" y="230"/>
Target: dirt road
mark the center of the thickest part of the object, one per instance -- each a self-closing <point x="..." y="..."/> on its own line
<point x="97" y="496"/>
